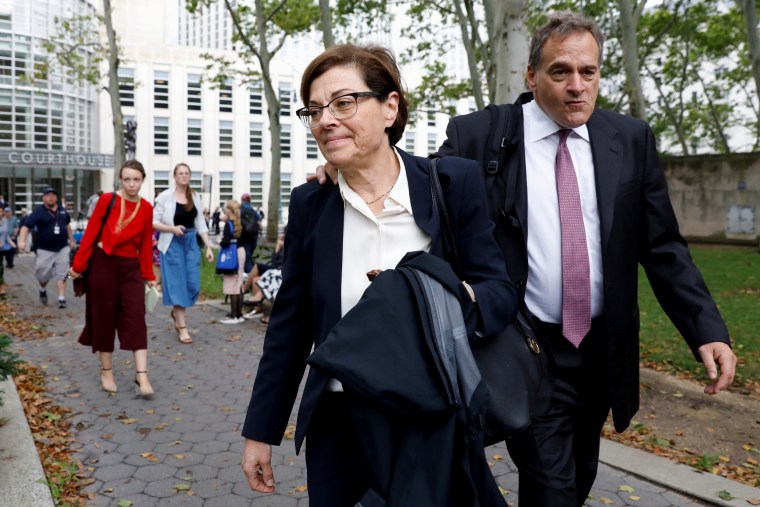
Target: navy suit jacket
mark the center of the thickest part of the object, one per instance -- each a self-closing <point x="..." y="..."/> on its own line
<point x="638" y="226"/>
<point x="308" y="302"/>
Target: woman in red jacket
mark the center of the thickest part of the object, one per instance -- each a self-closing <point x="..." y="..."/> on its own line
<point x="119" y="265"/>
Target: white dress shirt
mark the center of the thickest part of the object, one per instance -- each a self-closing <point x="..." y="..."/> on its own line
<point x="375" y="242"/>
<point x="544" y="288"/>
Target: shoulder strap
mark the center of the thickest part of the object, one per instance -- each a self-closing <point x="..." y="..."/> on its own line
<point x="105" y="217"/>
<point x="501" y="142"/>
<point x="440" y="209"/>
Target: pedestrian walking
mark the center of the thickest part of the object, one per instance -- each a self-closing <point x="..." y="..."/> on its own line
<point x="118" y="266"/>
<point x="355" y="108"/>
<point x="179" y="219"/>
<point x="13" y="228"/>
<point x="54" y="242"/>
<point x="6" y="244"/>
<point x="233" y="282"/>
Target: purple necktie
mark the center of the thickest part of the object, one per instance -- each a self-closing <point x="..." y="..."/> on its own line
<point x="576" y="279"/>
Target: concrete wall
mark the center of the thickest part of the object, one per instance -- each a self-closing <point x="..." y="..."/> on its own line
<point x="716" y="197"/>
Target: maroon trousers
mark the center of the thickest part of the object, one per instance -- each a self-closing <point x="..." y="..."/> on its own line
<point x="115" y="302"/>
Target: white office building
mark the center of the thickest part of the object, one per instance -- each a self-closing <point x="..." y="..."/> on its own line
<point x="49" y="129"/>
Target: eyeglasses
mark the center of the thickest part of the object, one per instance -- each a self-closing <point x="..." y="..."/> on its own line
<point x="341" y="108"/>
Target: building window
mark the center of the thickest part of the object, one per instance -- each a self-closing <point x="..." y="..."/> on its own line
<point x="284" y="98"/>
<point x="193" y="92"/>
<point x="285" y="179"/>
<point x="431" y="118"/>
<point x="41" y="124"/>
<point x="285" y="141"/>
<point x="409" y="142"/>
<point x="194" y="128"/>
<point x="256" y="184"/>
<point x="160" y="180"/>
<point x="432" y="146"/>
<point x="311" y="146"/>
<point x="196" y="180"/>
<point x="225" y="186"/>
<point x="161" y="90"/>
<point x="225" y="138"/>
<point x="161" y="136"/>
<point x="255" y="140"/>
<point x="254" y="98"/>
<point x="127" y="87"/>
<point x="225" y="98"/>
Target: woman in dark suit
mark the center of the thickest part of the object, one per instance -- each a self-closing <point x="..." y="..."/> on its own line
<point x="381" y="209"/>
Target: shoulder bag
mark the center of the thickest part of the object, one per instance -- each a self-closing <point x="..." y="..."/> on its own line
<point x="512" y="365"/>
<point x="80" y="282"/>
<point x="227" y="261"/>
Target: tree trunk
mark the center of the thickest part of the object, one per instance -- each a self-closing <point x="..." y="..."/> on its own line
<point x="753" y="40"/>
<point x="325" y="17"/>
<point x="469" y="41"/>
<point x="113" y="90"/>
<point x="273" y="113"/>
<point x="629" y="20"/>
<point x="509" y="39"/>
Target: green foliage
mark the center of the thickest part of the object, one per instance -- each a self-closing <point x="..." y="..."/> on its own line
<point x="733" y="276"/>
<point x="74" y="50"/>
<point x="8" y="360"/>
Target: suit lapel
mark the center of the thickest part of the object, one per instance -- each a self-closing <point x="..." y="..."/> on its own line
<point x="608" y="159"/>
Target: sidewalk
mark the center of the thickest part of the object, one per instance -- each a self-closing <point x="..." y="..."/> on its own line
<point x="184" y="446"/>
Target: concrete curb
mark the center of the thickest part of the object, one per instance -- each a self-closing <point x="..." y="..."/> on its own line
<point x="675" y="476"/>
<point x="23" y="481"/>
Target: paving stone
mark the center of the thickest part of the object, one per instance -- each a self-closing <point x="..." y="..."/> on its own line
<point x="155" y="472"/>
<point x="198" y="472"/>
<point x="124" y="487"/>
<point x="114" y="472"/>
<point x="212" y="487"/>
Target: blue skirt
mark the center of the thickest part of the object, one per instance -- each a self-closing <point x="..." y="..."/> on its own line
<point x="181" y="271"/>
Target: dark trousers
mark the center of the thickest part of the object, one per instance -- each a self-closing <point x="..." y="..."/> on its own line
<point x="9" y="254"/>
<point x="336" y="470"/>
<point x="249" y="248"/>
<point x="115" y="304"/>
<point x="558" y="454"/>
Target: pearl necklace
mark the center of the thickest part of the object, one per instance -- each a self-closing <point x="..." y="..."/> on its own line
<point x="373" y="201"/>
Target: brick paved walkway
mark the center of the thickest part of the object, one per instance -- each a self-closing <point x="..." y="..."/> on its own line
<point x="184" y="446"/>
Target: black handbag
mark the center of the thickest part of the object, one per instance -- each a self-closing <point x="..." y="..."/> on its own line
<point x="512" y="365"/>
<point x="80" y="283"/>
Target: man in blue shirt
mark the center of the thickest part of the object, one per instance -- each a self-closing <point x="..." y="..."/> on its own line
<point x="54" y="243"/>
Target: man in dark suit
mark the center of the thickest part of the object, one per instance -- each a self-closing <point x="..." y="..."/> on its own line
<point x="613" y="214"/>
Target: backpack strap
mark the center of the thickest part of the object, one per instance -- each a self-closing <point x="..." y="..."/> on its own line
<point x="501" y="143"/>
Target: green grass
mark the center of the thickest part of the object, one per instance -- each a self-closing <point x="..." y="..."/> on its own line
<point x="733" y="277"/>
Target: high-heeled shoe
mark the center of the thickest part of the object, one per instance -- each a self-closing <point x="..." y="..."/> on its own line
<point x="110" y="389"/>
<point x="186" y="339"/>
<point x="144" y="393"/>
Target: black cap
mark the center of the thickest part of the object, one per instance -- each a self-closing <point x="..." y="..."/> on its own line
<point x="49" y="190"/>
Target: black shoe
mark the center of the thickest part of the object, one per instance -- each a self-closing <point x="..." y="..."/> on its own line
<point x="61" y="303"/>
<point x="43" y="297"/>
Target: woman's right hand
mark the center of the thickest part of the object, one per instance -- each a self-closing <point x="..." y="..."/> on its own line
<point x="178" y="230"/>
<point x="257" y="466"/>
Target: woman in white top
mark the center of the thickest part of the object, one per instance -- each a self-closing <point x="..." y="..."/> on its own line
<point x="177" y="216"/>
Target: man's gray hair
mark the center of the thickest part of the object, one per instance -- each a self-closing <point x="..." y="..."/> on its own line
<point x="561" y="25"/>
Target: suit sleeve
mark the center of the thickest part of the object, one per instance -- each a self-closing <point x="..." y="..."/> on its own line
<point x="288" y="341"/>
<point x="676" y="281"/>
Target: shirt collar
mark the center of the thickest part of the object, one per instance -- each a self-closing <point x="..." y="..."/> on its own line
<point x="538" y="125"/>
<point x="399" y="193"/>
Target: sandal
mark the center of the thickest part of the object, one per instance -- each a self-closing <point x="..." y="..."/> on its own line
<point x="187" y="338"/>
<point x="264" y="319"/>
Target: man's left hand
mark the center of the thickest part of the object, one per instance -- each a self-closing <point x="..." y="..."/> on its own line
<point x="718" y="356"/>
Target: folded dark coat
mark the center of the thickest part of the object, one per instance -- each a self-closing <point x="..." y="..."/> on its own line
<point x="414" y="391"/>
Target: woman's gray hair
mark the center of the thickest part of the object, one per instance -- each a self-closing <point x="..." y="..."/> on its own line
<point x="561" y="25"/>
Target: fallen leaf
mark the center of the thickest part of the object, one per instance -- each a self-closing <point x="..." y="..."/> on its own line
<point x="625" y="488"/>
<point x="181" y="487"/>
<point x="290" y="432"/>
<point x="179" y="456"/>
<point x="176" y="442"/>
<point x="128" y="420"/>
<point x="160" y="427"/>
<point x="125" y="503"/>
<point x="498" y="457"/>
<point x="606" y="501"/>
<point x="754" y="501"/>
<point x="725" y="495"/>
<point x="635" y="498"/>
<point x="149" y="456"/>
